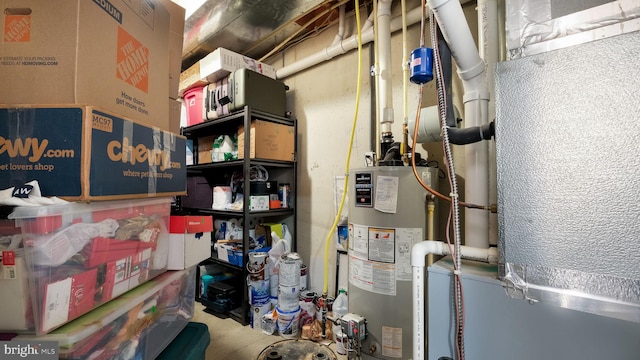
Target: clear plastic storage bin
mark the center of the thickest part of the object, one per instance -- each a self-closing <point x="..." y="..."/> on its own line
<point x="138" y="325"/>
<point x="80" y="256"/>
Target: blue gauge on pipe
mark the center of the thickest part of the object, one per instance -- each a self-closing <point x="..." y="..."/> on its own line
<point x="421" y="65"/>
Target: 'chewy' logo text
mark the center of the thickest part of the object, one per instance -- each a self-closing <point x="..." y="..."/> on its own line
<point x="33" y="148"/>
<point x="128" y="153"/>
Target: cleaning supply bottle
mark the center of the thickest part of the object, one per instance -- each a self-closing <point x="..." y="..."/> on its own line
<point x="341" y="304"/>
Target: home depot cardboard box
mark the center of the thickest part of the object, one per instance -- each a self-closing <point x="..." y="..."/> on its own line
<point x="86" y="153"/>
<point x="108" y="53"/>
<point x="219" y="64"/>
<point x="176" y="36"/>
<point x="271" y="141"/>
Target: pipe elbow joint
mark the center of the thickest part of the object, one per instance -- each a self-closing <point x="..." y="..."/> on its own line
<point x="420" y="251"/>
<point x="493" y="255"/>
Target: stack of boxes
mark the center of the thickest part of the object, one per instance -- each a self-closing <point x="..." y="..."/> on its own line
<point x="88" y="110"/>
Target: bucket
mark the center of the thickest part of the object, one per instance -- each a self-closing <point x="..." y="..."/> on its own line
<point x="307" y="307"/>
<point x="288" y="322"/>
<point x="275" y="281"/>
<point x="288" y="297"/>
<point x="257" y="266"/>
<point x="268" y="323"/>
<point x="290" y="265"/>
<point x="193" y="103"/>
<point x="259" y="292"/>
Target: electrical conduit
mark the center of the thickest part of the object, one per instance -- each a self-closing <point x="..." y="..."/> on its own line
<point x="471" y="70"/>
<point x="418" y="255"/>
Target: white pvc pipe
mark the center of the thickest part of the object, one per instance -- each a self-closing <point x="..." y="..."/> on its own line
<point x="489" y="46"/>
<point x="418" y="312"/>
<point x="340" y="34"/>
<point x="419" y="253"/>
<point x="471" y="70"/>
<point x="385" y="102"/>
<point x="344" y="46"/>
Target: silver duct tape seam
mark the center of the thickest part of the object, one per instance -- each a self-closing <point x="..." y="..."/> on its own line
<point x="593" y="293"/>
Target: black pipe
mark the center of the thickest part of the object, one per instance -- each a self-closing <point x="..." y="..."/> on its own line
<point x="472" y="134"/>
<point x="445" y="64"/>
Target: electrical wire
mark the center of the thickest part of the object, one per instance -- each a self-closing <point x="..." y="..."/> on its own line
<point x="454" y="211"/>
<point x="325" y="287"/>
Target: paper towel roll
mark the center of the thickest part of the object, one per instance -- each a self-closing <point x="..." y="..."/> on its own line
<point x="221" y="197"/>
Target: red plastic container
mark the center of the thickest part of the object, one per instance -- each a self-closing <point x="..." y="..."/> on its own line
<point x="193" y="102"/>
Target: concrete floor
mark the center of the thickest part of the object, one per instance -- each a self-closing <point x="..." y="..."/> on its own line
<point x="231" y="340"/>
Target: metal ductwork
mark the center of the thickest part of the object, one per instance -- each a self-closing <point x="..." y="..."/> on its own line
<point x="249" y="27"/>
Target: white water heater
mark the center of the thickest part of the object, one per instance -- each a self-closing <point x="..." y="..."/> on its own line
<point x="387" y="216"/>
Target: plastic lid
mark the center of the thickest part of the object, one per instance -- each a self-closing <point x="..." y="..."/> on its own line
<point x="342" y="291"/>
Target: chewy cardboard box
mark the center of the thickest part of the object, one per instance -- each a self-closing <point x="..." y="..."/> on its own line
<point x="84" y="153"/>
<point x="219" y="64"/>
<point x="270" y="141"/>
<point x="112" y="54"/>
<point x="189" y="241"/>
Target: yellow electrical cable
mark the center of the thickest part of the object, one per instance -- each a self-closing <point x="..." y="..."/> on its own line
<point x="325" y="287"/>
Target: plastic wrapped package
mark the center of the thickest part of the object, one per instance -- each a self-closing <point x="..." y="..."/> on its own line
<point x="80" y="255"/>
<point x="534" y="27"/>
<point x="137" y="325"/>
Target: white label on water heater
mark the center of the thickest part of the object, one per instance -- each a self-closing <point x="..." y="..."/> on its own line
<point x="372" y="276"/>
<point x="405" y="239"/>
<point x="386" y="196"/>
<point x="382" y="243"/>
<point x="392" y="342"/>
<point x="359" y="240"/>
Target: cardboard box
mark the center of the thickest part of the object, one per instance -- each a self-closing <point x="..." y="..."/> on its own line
<point x="112" y="54"/>
<point x="174" y="115"/>
<point x="270" y="141"/>
<point x="84" y="153"/>
<point x="205" y="149"/>
<point x="259" y="202"/>
<point x="15" y="311"/>
<point x="219" y="64"/>
<point x="189" y="241"/>
<point x="176" y="35"/>
<point x="190" y="78"/>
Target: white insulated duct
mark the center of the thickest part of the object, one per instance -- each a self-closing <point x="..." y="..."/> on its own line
<point x="418" y="256"/>
<point x="471" y="70"/>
